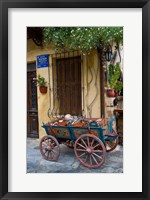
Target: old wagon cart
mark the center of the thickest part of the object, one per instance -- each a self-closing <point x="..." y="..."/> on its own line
<point x="86" y="136"/>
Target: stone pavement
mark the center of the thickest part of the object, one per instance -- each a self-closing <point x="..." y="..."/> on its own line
<point x="68" y="163"/>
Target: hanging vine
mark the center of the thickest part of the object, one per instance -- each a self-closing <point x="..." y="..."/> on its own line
<point x="82" y="38"/>
<point x="96" y="94"/>
<point x="88" y="83"/>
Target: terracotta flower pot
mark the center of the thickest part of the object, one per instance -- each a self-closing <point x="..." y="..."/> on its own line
<point x="111" y="93"/>
<point x="43" y="89"/>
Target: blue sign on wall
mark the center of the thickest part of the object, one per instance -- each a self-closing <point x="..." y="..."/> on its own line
<point x="42" y="61"/>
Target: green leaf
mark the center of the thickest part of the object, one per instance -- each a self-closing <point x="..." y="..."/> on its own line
<point x="86" y="37"/>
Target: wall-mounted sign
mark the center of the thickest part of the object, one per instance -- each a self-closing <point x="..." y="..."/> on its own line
<point x="42" y="61"/>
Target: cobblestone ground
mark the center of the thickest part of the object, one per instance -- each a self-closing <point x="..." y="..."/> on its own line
<point x="68" y="163"/>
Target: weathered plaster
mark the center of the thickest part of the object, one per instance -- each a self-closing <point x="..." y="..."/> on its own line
<point x="90" y="70"/>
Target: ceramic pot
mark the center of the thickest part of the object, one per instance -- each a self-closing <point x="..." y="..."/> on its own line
<point x="111" y="93"/>
<point x="43" y="89"/>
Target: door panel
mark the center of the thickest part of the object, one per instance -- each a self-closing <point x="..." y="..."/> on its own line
<point x="32" y="112"/>
<point x="69" y="85"/>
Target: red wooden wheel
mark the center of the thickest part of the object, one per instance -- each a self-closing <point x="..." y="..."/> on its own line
<point x="49" y="148"/>
<point x="90" y="151"/>
<point x="111" y="145"/>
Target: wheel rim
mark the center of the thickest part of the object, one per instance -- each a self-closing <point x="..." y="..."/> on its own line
<point x="111" y="145"/>
<point x="49" y="148"/>
<point x="90" y="151"/>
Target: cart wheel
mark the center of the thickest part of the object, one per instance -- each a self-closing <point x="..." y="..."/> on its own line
<point x="111" y="145"/>
<point x="49" y="148"/>
<point x="90" y="151"/>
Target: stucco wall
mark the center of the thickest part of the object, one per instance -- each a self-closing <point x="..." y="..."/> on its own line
<point x="91" y="85"/>
<point x="43" y="99"/>
<point x="90" y="75"/>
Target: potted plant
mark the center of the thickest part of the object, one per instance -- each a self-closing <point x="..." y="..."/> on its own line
<point x="118" y="89"/>
<point x="114" y="86"/>
<point x="41" y="83"/>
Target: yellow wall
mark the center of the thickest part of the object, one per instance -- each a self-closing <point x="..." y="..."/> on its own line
<point x="90" y="73"/>
<point x="91" y="85"/>
<point x="43" y="99"/>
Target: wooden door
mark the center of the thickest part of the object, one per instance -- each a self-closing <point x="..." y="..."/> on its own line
<point x="69" y="85"/>
<point x="32" y="112"/>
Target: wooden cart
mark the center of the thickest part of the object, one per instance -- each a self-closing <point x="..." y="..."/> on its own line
<point x="87" y="137"/>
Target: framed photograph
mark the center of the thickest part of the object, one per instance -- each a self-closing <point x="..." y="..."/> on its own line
<point x="74" y="99"/>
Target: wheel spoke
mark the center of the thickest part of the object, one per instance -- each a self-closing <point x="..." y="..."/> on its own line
<point x="84" y="142"/>
<point x="92" y="142"/>
<point x="98" y="156"/>
<point x="49" y="141"/>
<point x="48" y="154"/>
<point x="45" y="151"/>
<point x="88" y="141"/>
<point x="81" y="145"/>
<point x="98" y="151"/>
<point x="81" y="150"/>
<point x="86" y="158"/>
<point x="54" y="152"/>
<point x="110" y="144"/>
<point x="82" y="154"/>
<point x="96" y="146"/>
<point x="94" y="159"/>
<point x="53" y="144"/>
<point x="55" y="149"/>
<point x="44" y="145"/>
<point x="46" y="140"/>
